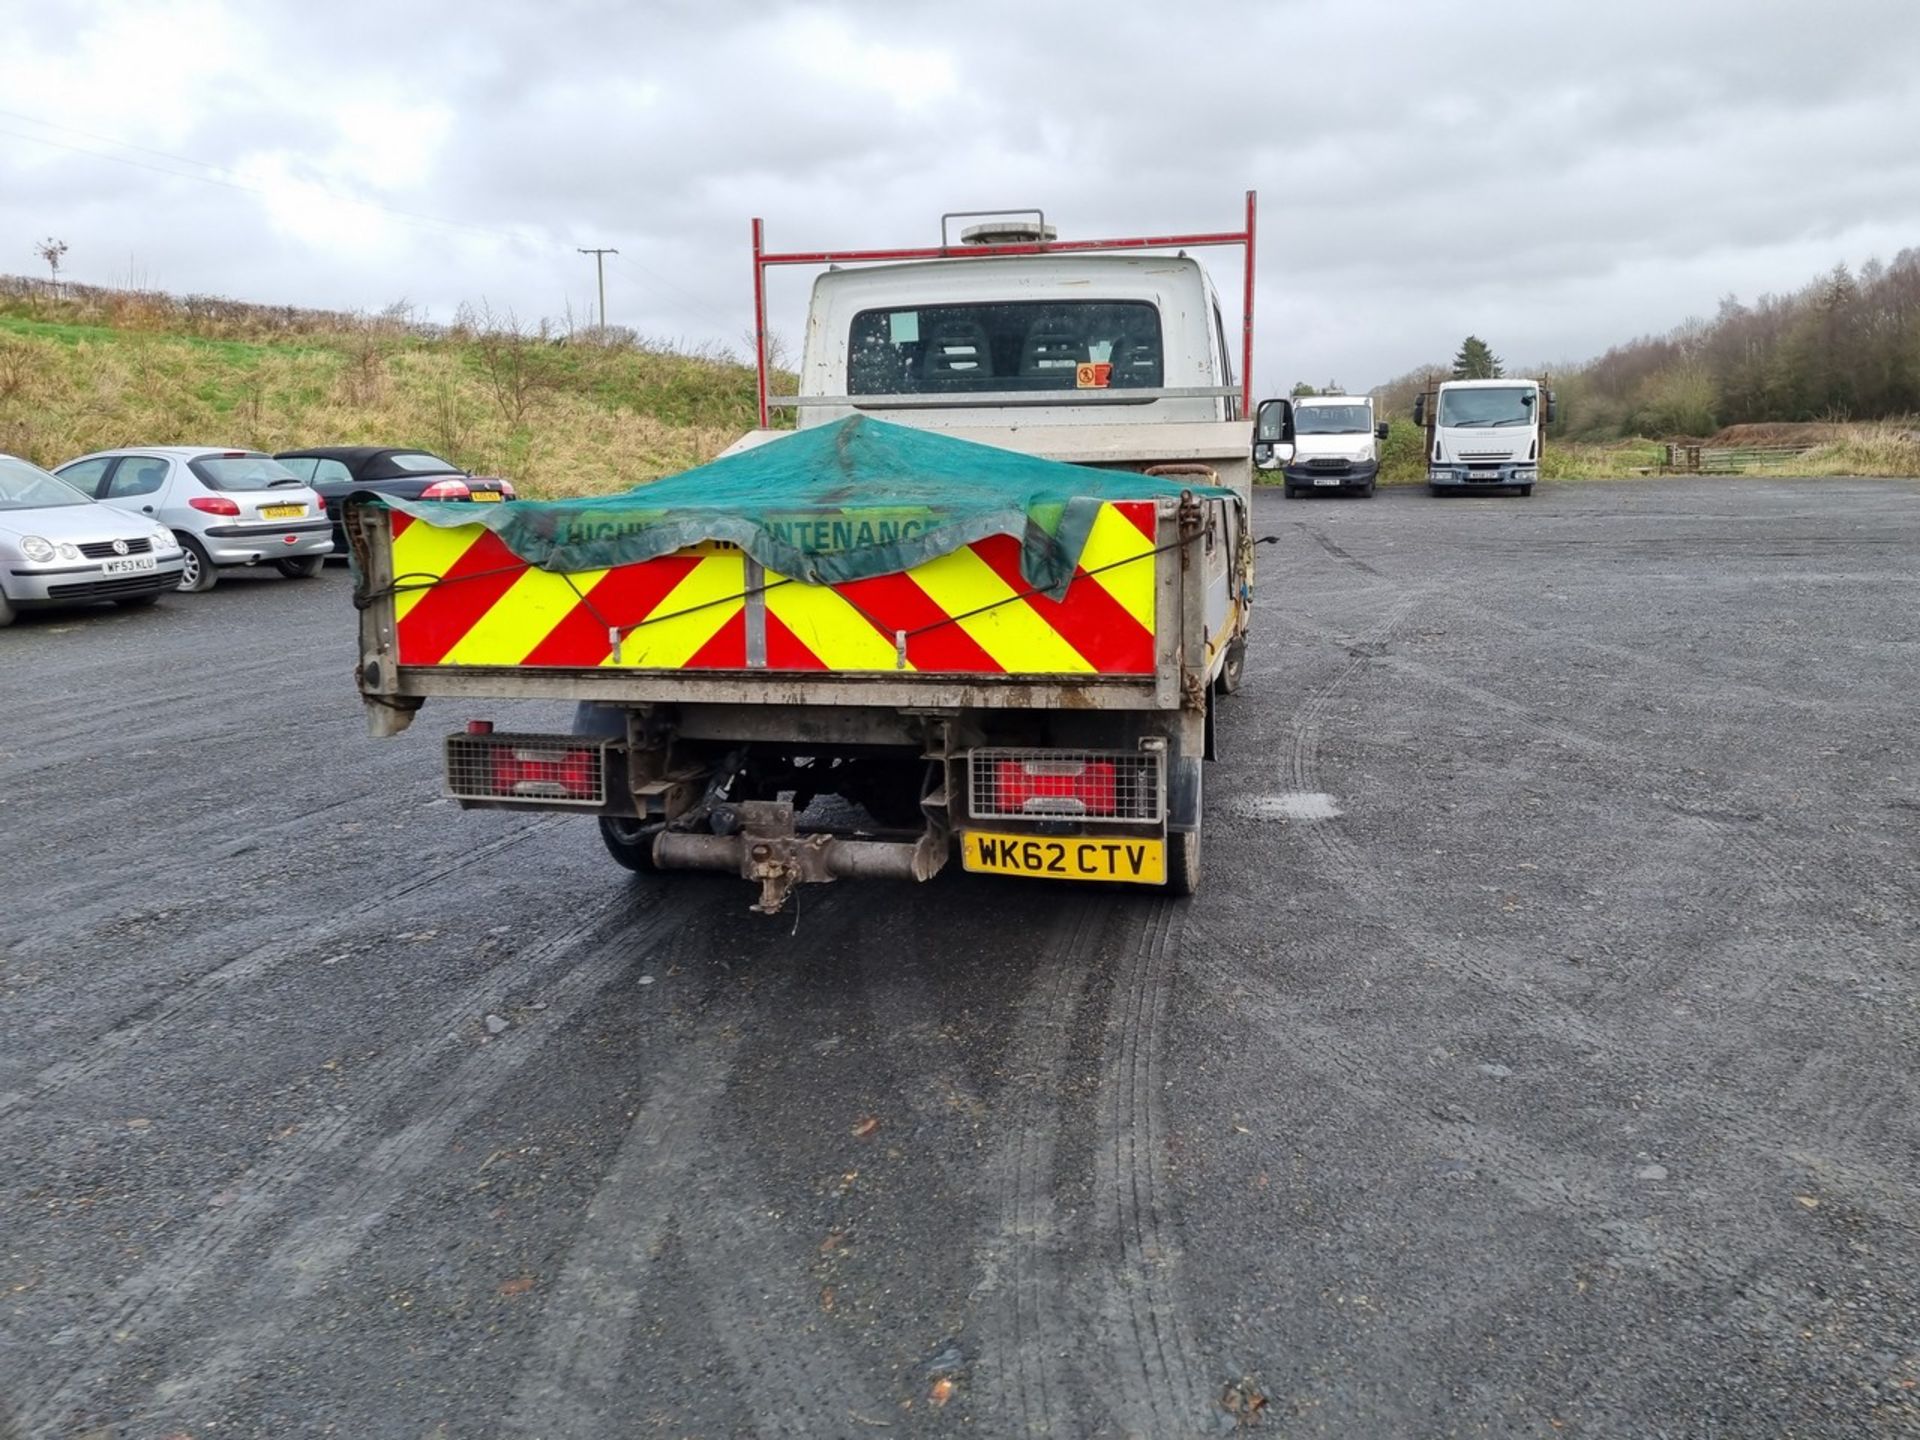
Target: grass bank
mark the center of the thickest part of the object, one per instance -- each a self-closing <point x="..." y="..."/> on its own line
<point x="557" y="418"/>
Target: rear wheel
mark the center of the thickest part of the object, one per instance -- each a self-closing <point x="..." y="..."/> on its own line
<point x="1235" y="670"/>
<point x="1183" y="862"/>
<point x="196" y="570"/>
<point x="305" y="568"/>
<point x="630" y="842"/>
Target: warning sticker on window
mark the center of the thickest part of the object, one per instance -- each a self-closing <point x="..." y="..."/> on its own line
<point x="1092" y="375"/>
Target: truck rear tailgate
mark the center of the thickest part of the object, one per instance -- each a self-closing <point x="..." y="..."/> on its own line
<point x="445" y="605"/>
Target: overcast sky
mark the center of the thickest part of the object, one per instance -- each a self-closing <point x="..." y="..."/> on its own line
<point x="1552" y="176"/>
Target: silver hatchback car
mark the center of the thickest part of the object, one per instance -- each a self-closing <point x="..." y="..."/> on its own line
<point x="228" y="507"/>
<point x="59" y="548"/>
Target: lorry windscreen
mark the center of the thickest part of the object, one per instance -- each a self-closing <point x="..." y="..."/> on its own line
<point x="1331" y="420"/>
<point x="1006" y="345"/>
<point x="1502" y="406"/>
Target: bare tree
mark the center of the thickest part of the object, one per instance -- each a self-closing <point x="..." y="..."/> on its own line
<point x="51" y="251"/>
<point x="507" y="357"/>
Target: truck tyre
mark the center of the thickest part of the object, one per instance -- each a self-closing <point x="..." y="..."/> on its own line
<point x="1366" y="491"/>
<point x="1526" y="491"/>
<point x="1234" y="673"/>
<point x="304" y="568"/>
<point x="629" y="841"/>
<point x="1292" y="494"/>
<point x="1434" y="490"/>
<point x="197" y="574"/>
<point x="1183" y="862"/>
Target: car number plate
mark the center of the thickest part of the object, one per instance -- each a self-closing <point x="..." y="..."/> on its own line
<point x="282" y="512"/>
<point x="486" y="497"/>
<point x="133" y="565"/>
<point x="1326" y="480"/>
<point x="1134" y="861"/>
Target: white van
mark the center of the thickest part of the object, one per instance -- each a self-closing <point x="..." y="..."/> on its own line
<point x="1336" y="445"/>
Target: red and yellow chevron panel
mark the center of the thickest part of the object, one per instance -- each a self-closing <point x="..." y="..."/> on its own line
<point x="964" y="613"/>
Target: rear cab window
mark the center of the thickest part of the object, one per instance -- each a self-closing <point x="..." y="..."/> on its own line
<point x="1016" y="345"/>
<point x="240" y="472"/>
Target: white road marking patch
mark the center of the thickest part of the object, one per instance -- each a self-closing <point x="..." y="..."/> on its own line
<point x="1294" y="805"/>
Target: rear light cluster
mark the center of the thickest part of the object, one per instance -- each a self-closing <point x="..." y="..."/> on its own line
<point x="447" y="490"/>
<point x="214" y="504"/>
<point x="530" y="769"/>
<point x="1065" y="784"/>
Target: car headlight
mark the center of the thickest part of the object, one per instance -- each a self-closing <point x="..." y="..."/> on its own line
<point x="163" y="539"/>
<point x="1526" y="476"/>
<point x="36" y="549"/>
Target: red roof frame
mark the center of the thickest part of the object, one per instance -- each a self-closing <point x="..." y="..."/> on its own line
<point x="764" y="258"/>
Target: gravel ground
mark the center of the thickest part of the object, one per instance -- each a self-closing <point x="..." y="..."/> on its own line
<point x="1539" y="1060"/>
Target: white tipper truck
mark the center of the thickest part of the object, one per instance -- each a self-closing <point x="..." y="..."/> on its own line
<point x="763" y="655"/>
<point x="1484" y="434"/>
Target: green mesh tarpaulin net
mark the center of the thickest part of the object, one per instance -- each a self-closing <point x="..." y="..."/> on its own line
<point x="828" y="505"/>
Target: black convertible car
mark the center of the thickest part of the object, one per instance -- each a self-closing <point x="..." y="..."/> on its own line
<point x="336" y="471"/>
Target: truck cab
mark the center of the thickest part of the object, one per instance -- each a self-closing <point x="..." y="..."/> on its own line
<point x="1336" y="446"/>
<point x="1484" y="434"/>
<point x="1112" y="360"/>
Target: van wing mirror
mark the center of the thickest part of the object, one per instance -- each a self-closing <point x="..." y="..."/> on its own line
<point x="1273" y="433"/>
<point x="1380" y="431"/>
<point x="1553" y="408"/>
<point x="1419" y="409"/>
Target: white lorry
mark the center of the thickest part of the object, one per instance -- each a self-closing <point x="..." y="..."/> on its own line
<point x="989" y="653"/>
<point x="1336" y="446"/>
<point x="1484" y="434"/>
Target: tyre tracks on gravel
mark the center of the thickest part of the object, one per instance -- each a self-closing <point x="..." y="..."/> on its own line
<point x="81" y="1356"/>
<point x="1158" y="1384"/>
<point x="182" y="1004"/>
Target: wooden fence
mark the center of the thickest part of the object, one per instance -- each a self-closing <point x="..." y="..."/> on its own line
<point x="1727" y="460"/>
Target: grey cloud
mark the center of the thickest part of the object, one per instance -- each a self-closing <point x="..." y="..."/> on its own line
<point x="1554" y="176"/>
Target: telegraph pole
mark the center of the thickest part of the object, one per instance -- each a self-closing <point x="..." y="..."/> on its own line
<point x="600" y="267"/>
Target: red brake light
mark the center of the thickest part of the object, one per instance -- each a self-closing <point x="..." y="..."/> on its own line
<point x="570" y="773"/>
<point x="213" y="504"/>
<point x="447" y="490"/>
<point x="506" y="489"/>
<point x="1080" y="787"/>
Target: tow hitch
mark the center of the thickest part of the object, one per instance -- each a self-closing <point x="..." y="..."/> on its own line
<point x="757" y="840"/>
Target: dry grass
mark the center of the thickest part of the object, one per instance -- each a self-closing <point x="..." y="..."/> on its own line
<point x="556" y="419"/>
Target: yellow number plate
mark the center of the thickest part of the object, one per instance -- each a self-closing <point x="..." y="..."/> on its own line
<point x="486" y="497"/>
<point x="282" y="512"/>
<point x="1124" y="858"/>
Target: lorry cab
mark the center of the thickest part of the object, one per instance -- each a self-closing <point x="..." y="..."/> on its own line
<point x="1116" y="360"/>
<point x="1336" y="446"/>
<point x="1484" y="434"/>
<point x="937" y="343"/>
